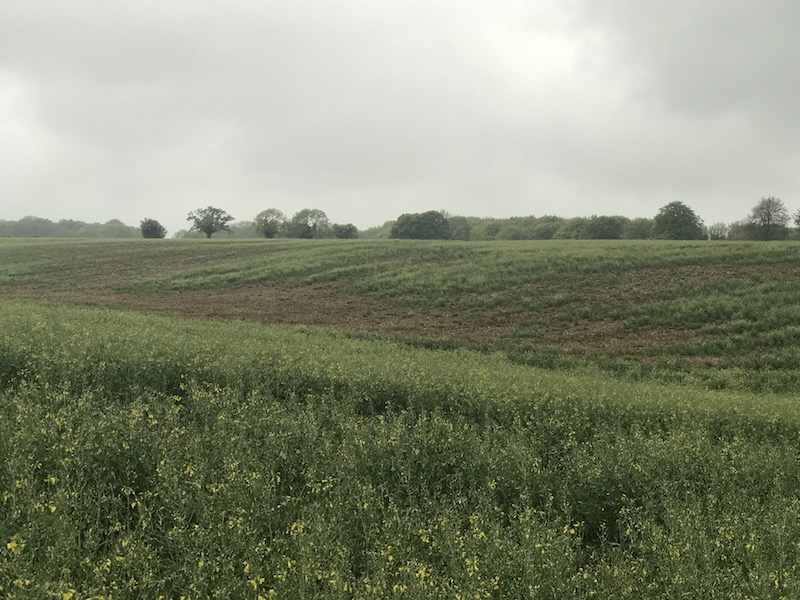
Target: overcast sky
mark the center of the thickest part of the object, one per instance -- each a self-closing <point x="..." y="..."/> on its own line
<point x="368" y="109"/>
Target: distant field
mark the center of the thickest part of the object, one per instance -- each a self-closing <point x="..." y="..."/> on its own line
<point x="722" y="315"/>
<point x="195" y="419"/>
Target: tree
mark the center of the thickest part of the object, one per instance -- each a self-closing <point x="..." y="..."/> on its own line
<point x="770" y="217"/>
<point x="718" y="231"/>
<point x="491" y="229"/>
<point x="209" y="220"/>
<point x="513" y="231"/>
<point x="431" y="225"/>
<point x="152" y="229"/>
<point x="460" y="228"/>
<point x="605" y="228"/>
<point x="545" y="228"/>
<point x="347" y="231"/>
<point x="309" y="223"/>
<point x="638" y="229"/>
<point x="270" y="222"/>
<point x="742" y="230"/>
<point x="676" y="221"/>
<point x="572" y="229"/>
<point x="243" y="230"/>
<point x="34" y="226"/>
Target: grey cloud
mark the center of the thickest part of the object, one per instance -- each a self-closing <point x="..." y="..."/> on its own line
<point x="367" y="109"/>
<point x="704" y="58"/>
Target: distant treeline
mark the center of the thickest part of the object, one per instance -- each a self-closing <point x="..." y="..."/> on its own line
<point x="768" y="220"/>
<point x="38" y="227"/>
<point x="534" y="228"/>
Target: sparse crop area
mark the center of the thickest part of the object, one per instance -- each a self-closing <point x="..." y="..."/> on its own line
<point x="721" y="315"/>
<point x="358" y="419"/>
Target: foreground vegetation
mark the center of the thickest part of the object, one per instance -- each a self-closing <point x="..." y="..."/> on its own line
<point x="153" y="456"/>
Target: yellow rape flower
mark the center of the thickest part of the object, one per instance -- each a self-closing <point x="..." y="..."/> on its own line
<point x="16" y="544"/>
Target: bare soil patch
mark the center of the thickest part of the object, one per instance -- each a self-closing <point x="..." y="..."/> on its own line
<point x="334" y="305"/>
<point x="291" y="303"/>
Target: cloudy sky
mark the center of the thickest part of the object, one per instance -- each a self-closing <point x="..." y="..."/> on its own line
<point x="368" y="109"/>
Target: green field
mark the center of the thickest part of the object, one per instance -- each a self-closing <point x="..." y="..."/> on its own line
<point x="336" y="419"/>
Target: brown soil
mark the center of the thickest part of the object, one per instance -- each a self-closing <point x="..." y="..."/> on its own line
<point x="333" y="305"/>
<point x="291" y="303"/>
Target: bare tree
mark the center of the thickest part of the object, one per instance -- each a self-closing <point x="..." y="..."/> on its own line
<point x="770" y="217"/>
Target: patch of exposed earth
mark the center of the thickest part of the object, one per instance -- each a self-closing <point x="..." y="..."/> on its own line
<point x="334" y="305"/>
<point x="290" y="303"/>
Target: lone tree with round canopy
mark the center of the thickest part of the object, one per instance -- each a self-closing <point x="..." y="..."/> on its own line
<point x="270" y="222"/>
<point x="209" y="220"/>
<point x="152" y="229"/>
<point x="676" y="221"/>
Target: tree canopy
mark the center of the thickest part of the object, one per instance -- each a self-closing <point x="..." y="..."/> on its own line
<point x="344" y="231"/>
<point x="309" y="223"/>
<point x="431" y="225"/>
<point x="769" y="218"/>
<point x="638" y="229"/>
<point x="605" y="228"/>
<point x="718" y="231"/>
<point x="152" y="229"/>
<point x="270" y="222"/>
<point x="31" y="226"/>
<point x="676" y="221"/>
<point x="209" y="220"/>
<point x="460" y="228"/>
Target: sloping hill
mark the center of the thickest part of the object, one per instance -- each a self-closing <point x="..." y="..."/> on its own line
<point x="723" y="315"/>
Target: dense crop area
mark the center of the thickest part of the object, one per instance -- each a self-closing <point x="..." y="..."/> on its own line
<point x="148" y="456"/>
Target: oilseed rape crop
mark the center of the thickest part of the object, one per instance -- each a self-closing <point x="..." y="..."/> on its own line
<point x="150" y="456"/>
